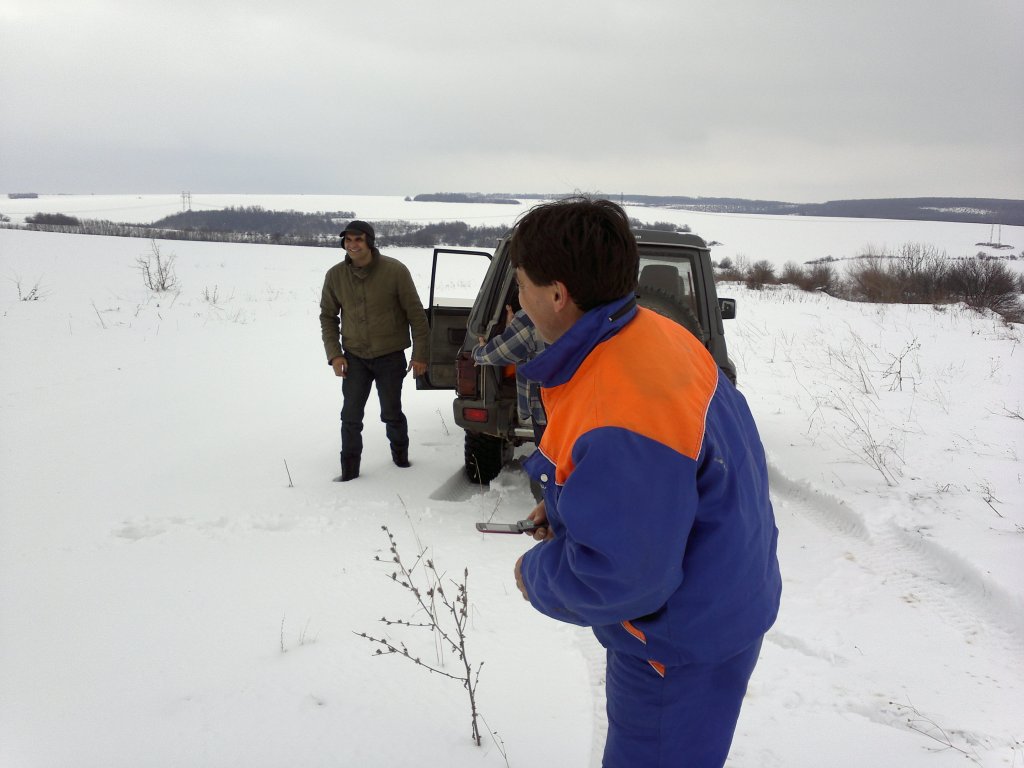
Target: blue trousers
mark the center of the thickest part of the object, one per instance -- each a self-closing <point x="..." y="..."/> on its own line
<point x="685" y="719"/>
<point x="388" y="372"/>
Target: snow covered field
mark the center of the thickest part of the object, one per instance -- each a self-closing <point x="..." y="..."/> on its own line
<point x="171" y="594"/>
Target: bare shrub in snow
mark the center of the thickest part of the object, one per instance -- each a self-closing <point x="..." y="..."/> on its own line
<point x="157" y="270"/>
<point x="868" y="279"/>
<point x="921" y="274"/>
<point x="734" y="270"/>
<point x="445" y="615"/>
<point x="920" y="271"/>
<point x="760" y="274"/>
<point x="985" y="284"/>
<point x="817" y="277"/>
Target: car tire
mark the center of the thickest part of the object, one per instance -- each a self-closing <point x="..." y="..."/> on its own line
<point x="485" y="456"/>
<point x="667" y="305"/>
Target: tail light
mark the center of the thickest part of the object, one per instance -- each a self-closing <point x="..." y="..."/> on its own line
<point x="478" y="415"/>
<point x="466" y="383"/>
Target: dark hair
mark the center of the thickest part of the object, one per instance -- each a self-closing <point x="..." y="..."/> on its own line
<point x="584" y="243"/>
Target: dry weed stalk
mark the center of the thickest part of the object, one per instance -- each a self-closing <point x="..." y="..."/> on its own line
<point x="446" y="617"/>
<point x="916" y="721"/>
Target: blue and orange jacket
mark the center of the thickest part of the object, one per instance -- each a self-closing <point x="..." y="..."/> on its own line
<point x="656" y="490"/>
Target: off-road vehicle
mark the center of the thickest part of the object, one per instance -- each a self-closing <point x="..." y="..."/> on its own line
<point x="676" y="280"/>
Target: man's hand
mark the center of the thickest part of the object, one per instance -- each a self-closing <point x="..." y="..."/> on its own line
<point x="340" y="366"/>
<point x="540" y="516"/>
<point x="418" y="369"/>
<point x="542" y="532"/>
<point x="519" y="578"/>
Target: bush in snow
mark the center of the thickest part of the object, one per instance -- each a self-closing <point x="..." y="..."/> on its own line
<point x="157" y="270"/>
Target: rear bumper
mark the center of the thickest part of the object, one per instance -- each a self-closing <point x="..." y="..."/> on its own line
<point x="499" y="421"/>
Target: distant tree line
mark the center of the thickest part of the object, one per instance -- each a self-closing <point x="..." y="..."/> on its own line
<point x="663" y="226"/>
<point x="463" y="197"/>
<point x="257" y="225"/>
<point x="53" y="220"/>
<point x="710" y="204"/>
<point x="985" y="210"/>
<point x="230" y="225"/>
<point x="459" y="233"/>
<point x="258" y="220"/>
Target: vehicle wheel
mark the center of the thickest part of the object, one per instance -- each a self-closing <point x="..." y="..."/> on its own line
<point x="485" y="456"/>
<point x="669" y="306"/>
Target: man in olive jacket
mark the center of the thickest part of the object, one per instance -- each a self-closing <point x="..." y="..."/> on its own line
<point x="367" y="307"/>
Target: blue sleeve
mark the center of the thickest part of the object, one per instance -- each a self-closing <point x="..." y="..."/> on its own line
<point x="621" y="524"/>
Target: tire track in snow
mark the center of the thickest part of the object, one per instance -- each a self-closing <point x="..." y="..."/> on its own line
<point x="911" y="565"/>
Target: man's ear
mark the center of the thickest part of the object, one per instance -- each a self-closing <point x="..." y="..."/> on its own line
<point x="560" y="295"/>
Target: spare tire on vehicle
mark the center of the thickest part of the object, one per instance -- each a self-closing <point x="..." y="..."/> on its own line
<point x="670" y="306"/>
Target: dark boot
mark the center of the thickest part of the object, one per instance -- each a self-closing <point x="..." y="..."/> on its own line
<point x="401" y="457"/>
<point x="349" y="468"/>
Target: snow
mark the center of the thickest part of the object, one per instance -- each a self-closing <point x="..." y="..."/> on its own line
<point x="169" y="597"/>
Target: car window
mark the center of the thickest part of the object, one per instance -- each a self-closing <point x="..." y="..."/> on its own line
<point x="670" y="278"/>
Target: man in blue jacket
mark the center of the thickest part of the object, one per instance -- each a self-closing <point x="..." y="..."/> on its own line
<point x="658" y="531"/>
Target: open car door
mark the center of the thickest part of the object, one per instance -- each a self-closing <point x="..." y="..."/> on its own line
<point x="455" y="279"/>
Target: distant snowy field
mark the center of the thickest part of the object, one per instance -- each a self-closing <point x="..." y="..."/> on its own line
<point x="168" y="598"/>
<point x="777" y="239"/>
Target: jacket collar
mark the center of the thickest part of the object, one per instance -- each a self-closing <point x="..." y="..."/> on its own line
<point x="374" y="260"/>
<point x="559" y="361"/>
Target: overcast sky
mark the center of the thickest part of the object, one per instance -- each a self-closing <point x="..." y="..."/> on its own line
<point x="797" y="100"/>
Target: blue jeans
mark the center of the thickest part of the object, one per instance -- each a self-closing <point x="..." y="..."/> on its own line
<point x="388" y="372"/>
<point x="684" y="719"/>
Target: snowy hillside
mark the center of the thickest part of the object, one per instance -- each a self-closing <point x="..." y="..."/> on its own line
<point x="182" y="584"/>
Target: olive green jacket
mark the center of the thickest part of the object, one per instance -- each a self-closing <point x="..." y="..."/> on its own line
<point x="369" y="310"/>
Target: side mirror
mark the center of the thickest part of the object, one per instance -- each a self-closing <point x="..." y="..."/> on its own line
<point x="728" y="308"/>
